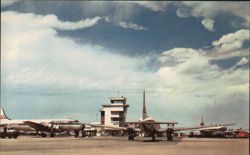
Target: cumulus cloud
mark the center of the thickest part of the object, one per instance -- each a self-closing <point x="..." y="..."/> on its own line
<point x="32" y="52"/>
<point x="189" y="62"/>
<point x="231" y="45"/>
<point x="178" y="55"/>
<point x="208" y="24"/>
<point x="233" y="40"/>
<point x="190" y="80"/>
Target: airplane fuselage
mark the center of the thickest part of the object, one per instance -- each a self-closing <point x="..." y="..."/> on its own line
<point x="20" y="125"/>
<point x="149" y="128"/>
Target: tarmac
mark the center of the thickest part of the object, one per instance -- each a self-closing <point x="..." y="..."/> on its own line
<point x="32" y="145"/>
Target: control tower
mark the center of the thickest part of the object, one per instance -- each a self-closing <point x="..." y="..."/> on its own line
<point x="114" y="113"/>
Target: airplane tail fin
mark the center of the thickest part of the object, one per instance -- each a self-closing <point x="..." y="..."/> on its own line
<point x="144" y="112"/>
<point x="202" y="122"/>
<point x="3" y="115"/>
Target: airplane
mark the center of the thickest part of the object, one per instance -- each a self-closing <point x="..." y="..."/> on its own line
<point x="42" y="125"/>
<point x="151" y="127"/>
<point x="219" y="131"/>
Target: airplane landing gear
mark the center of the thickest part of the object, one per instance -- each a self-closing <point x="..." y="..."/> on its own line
<point x="83" y="134"/>
<point x="131" y="134"/>
<point x="52" y="134"/>
<point x="43" y="134"/>
<point x="130" y="137"/>
<point x="76" y="133"/>
<point x="153" y="137"/>
<point x="152" y="133"/>
<point x="170" y="133"/>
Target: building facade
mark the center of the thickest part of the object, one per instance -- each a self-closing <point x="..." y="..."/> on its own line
<point x="114" y="113"/>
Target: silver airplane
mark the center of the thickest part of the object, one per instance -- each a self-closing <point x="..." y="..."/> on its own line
<point x="42" y="126"/>
<point x="219" y="130"/>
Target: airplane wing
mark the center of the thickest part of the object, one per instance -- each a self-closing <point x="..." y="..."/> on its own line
<point x="107" y="126"/>
<point x="228" y="124"/>
<point x="183" y="128"/>
<point x="162" y="130"/>
<point x="207" y="127"/>
<point x="36" y="126"/>
<point x="215" y="127"/>
<point x="141" y="122"/>
<point x="113" y="127"/>
<point x="189" y="128"/>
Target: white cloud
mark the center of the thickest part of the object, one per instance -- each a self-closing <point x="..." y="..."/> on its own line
<point x="187" y="73"/>
<point x="202" y="9"/>
<point x="209" y="10"/>
<point x="131" y="26"/>
<point x="178" y="55"/>
<point x="33" y="55"/>
<point x="242" y="61"/>
<point x="208" y="24"/>
<point x="214" y="54"/>
<point x="155" y="6"/>
<point x="5" y="3"/>
<point x="123" y="24"/>
<point x="182" y="13"/>
<point x="231" y="45"/>
<point x="238" y="36"/>
<point x="52" y="21"/>
<point x="189" y="62"/>
<point x="118" y="12"/>
<point x="76" y="25"/>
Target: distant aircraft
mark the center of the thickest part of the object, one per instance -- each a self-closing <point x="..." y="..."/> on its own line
<point x="42" y="125"/>
<point x="219" y="131"/>
<point x="150" y="127"/>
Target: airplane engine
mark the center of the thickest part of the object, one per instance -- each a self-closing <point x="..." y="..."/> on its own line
<point x="21" y="128"/>
<point x="53" y="127"/>
<point x="46" y="124"/>
<point x="71" y="127"/>
<point x="56" y="127"/>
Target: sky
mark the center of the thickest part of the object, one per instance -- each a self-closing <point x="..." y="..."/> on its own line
<point x="64" y="59"/>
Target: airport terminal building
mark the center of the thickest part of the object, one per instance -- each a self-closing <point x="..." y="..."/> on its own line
<point x="114" y="113"/>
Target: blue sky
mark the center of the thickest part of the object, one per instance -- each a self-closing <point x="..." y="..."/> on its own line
<point x="65" y="59"/>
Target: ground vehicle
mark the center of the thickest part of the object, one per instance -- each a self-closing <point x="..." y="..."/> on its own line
<point x="5" y="132"/>
<point x="241" y="134"/>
